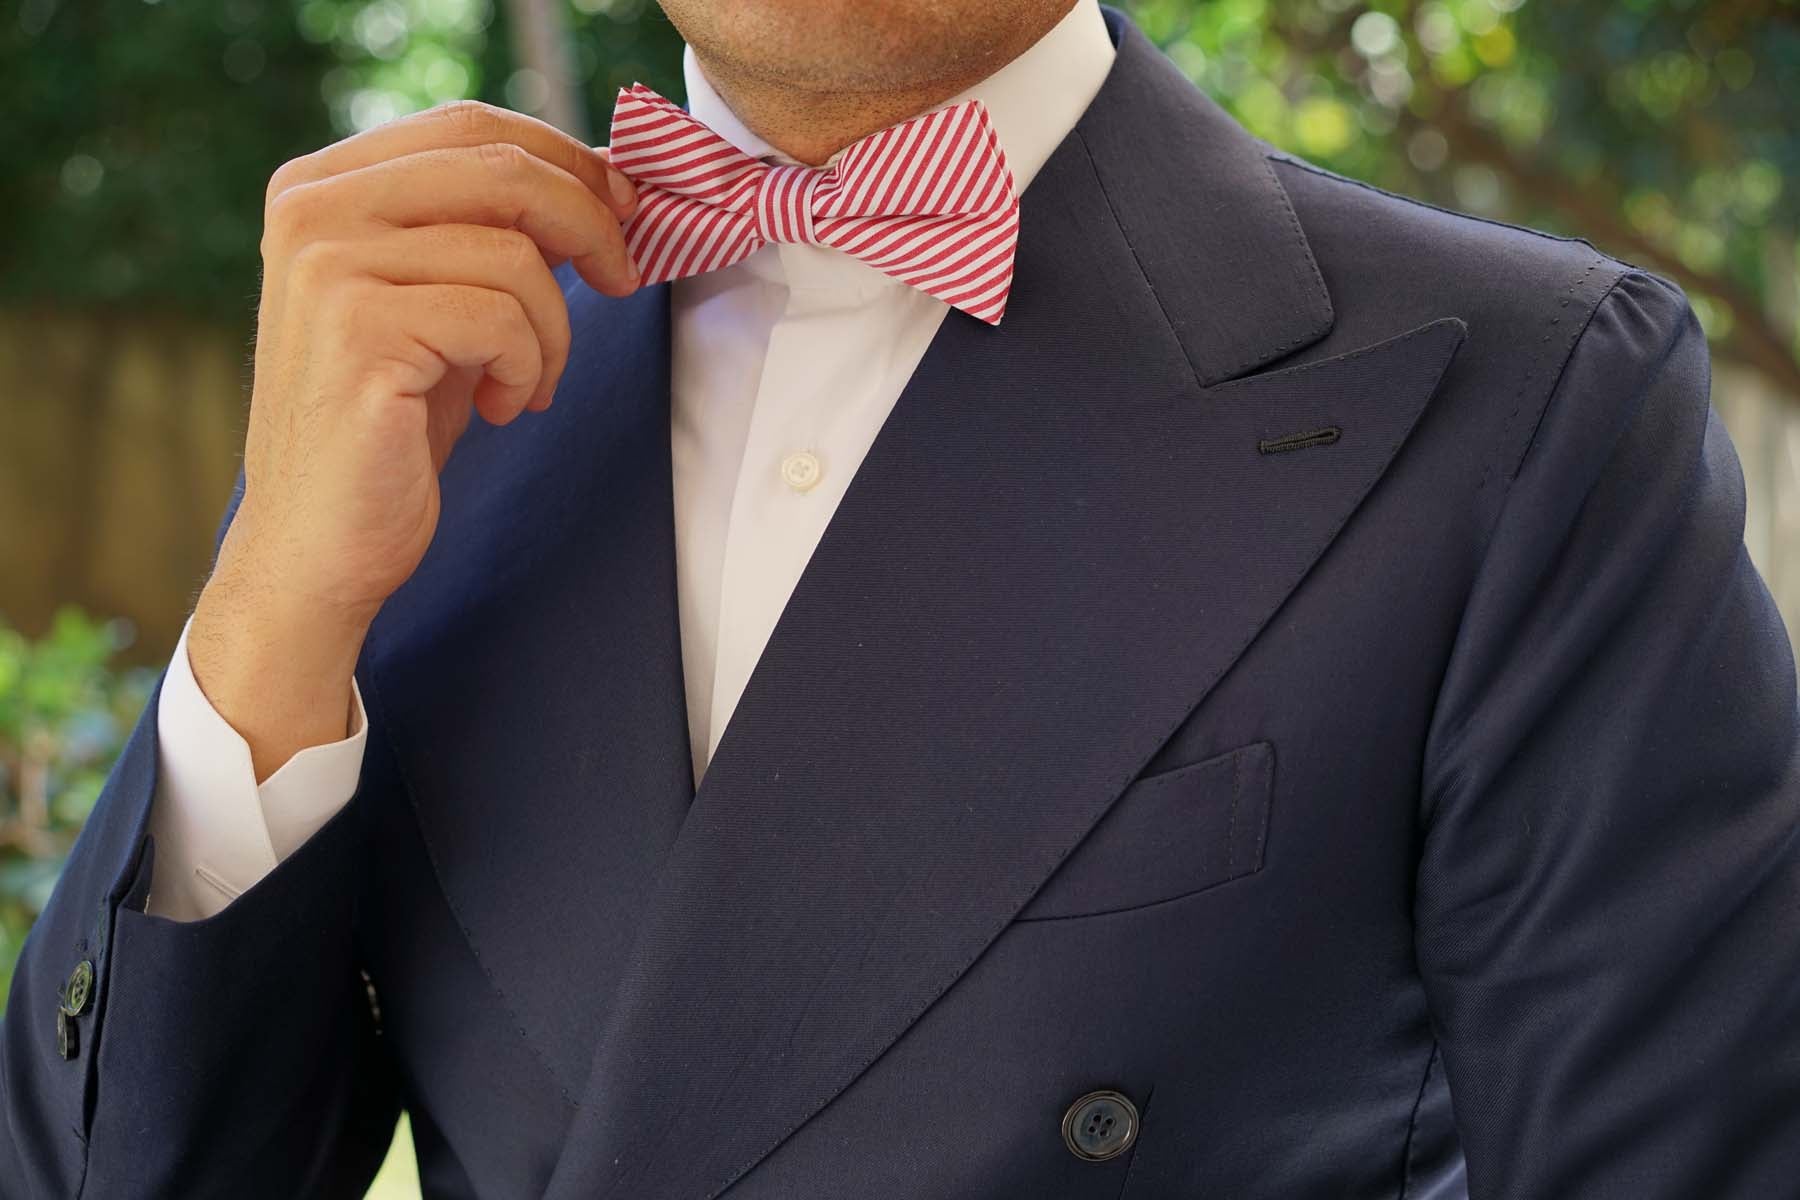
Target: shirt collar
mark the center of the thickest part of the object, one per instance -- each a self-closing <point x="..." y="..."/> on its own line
<point x="1033" y="102"/>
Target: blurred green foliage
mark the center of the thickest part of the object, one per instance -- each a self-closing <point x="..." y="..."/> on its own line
<point x="64" y="715"/>
<point x="1664" y="131"/>
<point x="137" y="142"/>
<point x="141" y="132"/>
<point x="399" y="56"/>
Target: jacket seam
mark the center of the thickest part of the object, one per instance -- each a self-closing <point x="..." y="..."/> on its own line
<point x="1412" y="1122"/>
<point x="1314" y="169"/>
<point x="1487" y="469"/>
<point x="1489" y="531"/>
<point x="1549" y="395"/>
<point x="1600" y="303"/>
<point x="1601" y="259"/>
<point x="102" y="954"/>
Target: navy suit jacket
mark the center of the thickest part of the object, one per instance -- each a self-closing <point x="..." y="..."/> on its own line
<point x="1300" y="671"/>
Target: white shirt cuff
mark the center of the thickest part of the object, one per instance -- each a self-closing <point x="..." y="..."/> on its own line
<point x="216" y="831"/>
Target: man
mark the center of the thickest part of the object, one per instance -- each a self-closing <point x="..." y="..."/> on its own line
<point x="1260" y="693"/>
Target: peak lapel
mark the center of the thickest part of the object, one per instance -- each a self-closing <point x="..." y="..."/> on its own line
<point x="1058" y="543"/>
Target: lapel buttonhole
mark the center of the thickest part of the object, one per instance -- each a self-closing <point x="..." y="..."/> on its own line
<point x="1300" y="441"/>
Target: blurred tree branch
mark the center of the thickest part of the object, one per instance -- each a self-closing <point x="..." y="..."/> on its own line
<point x="1661" y="131"/>
<point x="1594" y="208"/>
<point x="540" y="33"/>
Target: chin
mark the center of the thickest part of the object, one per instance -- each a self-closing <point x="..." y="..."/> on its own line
<point x="839" y="44"/>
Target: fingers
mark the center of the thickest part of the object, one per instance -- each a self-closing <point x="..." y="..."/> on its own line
<point x="502" y="260"/>
<point x="494" y="183"/>
<point x="464" y="124"/>
<point x="423" y="330"/>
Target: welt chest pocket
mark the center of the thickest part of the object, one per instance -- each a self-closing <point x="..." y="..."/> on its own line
<point x="1168" y="835"/>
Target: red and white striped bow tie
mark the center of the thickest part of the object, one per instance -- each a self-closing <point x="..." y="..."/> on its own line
<point x="929" y="201"/>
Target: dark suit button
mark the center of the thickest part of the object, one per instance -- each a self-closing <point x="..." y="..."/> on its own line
<point x="1100" y="1125"/>
<point x="66" y="1044"/>
<point x="78" y="989"/>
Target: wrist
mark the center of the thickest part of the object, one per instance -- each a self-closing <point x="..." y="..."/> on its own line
<point x="263" y="568"/>
<point x="277" y="669"/>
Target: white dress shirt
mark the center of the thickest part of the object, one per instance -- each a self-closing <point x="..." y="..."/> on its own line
<point x="784" y="367"/>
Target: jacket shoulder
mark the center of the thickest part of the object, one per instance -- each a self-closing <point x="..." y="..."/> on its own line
<point x="1533" y="303"/>
<point x="1365" y="235"/>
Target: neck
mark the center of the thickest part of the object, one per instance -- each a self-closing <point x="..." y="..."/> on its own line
<point x="811" y="126"/>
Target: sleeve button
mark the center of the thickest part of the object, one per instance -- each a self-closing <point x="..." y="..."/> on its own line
<point x="79" y="988"/>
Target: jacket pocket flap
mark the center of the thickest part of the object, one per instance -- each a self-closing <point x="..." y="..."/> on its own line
<point x="1167" y="835"/>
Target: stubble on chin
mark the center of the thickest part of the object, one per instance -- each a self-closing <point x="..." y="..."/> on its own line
<point x="846" y="47"/>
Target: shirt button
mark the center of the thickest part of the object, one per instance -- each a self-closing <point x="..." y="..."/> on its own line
<point x="800" y="470"/>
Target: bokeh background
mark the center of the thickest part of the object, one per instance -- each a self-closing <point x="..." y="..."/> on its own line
<point x="136" y="137"/>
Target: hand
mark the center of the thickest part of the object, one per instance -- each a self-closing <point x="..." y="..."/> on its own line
<point x="406" y="285"/>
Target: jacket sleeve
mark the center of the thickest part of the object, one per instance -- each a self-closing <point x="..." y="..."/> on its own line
<point x="1608" y="900"/>
<point x="230" y="1056"/>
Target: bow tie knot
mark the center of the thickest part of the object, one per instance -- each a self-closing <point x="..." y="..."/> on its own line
<point x="784" y="202"/>
<point x="929" y="201"/>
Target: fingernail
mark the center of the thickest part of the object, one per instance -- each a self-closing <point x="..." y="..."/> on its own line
<point x="624" y="195"/>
